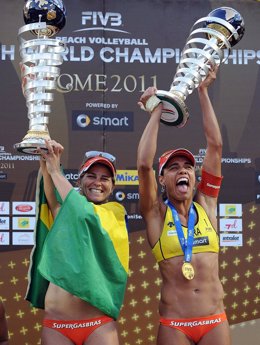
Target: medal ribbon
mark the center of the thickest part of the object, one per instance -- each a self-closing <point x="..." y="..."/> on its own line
<point x="186" y="243"/>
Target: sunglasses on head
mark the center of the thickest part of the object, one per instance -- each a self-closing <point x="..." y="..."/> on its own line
<point x="92" y="154"/>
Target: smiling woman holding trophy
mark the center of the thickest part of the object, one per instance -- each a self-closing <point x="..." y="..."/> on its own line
<point x="182" y="224"/>
<point x="79" y="262"/>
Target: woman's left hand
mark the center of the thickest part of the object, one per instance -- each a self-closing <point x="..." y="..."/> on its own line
<point x="212" y="75"/>
<point x="52" y="157"/>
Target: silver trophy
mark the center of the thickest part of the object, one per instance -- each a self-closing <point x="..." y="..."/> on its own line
<point x="39" y="71"/>
<point x="209" y="37"/>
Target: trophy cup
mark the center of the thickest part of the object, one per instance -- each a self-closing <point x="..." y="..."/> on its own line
<point x="209" y="36"/>
<point x="39" y="71"/>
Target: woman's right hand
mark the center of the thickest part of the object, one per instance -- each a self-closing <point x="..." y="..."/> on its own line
<point x="149" y="101"/>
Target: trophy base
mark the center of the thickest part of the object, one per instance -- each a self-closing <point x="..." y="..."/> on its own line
<point x="31" y="146"/>
<point x="33" y="140"/>
<point x="175" y="112"/>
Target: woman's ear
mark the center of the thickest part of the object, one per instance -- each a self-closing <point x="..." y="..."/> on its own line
<point x="112" y="188"/>
<point x="79" y="185"/>
<point x="162" y="183"/>
<point x="161" y="180"/>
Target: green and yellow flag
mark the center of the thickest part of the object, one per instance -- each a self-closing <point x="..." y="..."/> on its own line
<point x="86" y="252"/>
<point x="38" y="285"/>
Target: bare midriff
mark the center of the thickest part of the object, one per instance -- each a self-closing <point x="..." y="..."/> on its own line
<point x="201" y="296"/>
<point x="60" y="304"/>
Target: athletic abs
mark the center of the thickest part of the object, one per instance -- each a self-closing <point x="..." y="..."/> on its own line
<point x="182" y="298"/>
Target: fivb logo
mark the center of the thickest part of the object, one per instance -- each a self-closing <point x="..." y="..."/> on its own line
<point x="98" y="20"/>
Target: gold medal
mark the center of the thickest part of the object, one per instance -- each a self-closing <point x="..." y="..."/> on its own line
<point x="188" y="270"/>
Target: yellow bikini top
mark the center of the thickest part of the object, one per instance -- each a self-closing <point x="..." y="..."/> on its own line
<point x="205" y="237"/>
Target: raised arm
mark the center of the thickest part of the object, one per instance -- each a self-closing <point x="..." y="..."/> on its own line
<point x="49" y="190"/>
<point x="54" y="178"/>
<point x="148" y="189"/>
<point x="212" y="160"/>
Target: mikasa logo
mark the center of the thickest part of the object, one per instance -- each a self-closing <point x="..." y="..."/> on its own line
<point x="127" y="177"/>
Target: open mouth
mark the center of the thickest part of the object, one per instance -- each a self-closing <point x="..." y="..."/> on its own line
<point x="182" y="184"/>
<point x="96" y="191"/>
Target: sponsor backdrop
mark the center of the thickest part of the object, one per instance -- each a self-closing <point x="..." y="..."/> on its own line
<point x="115" y="50"/>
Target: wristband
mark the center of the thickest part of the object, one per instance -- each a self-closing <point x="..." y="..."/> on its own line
<point x="152" y="103"/>
<point x="210" y="184"/>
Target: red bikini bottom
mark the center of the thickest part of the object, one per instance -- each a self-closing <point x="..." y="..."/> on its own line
<point x="195" y="328"/>
<point x="77" y="330"/>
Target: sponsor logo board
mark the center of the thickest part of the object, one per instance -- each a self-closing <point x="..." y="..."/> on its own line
<point x="23" y="238"/>
<point x="23" y="223"/>
<point x="23" y="207"/>
<point x="231" y="240"/>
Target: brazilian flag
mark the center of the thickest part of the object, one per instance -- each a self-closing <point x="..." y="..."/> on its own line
<point x="44" y="221"/>
<point x="85" y="252"/>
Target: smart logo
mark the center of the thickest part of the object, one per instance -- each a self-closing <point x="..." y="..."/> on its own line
<point x="126" y="196"/>
<point x="120" y="196"/>
<point x="83" y="120"/>
<point x="97" y="120"/>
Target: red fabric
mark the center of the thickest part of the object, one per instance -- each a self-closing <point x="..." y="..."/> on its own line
<point x="77" y="331"/>
<point x="95" y="160"/>
<point x="163" y="160"/>
<point x="210" y="184"/>
<point x="195" y="328"/>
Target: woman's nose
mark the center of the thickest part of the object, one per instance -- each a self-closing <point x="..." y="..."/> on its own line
<point x="183" y="170"/>
<point x="97" y="180"/>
